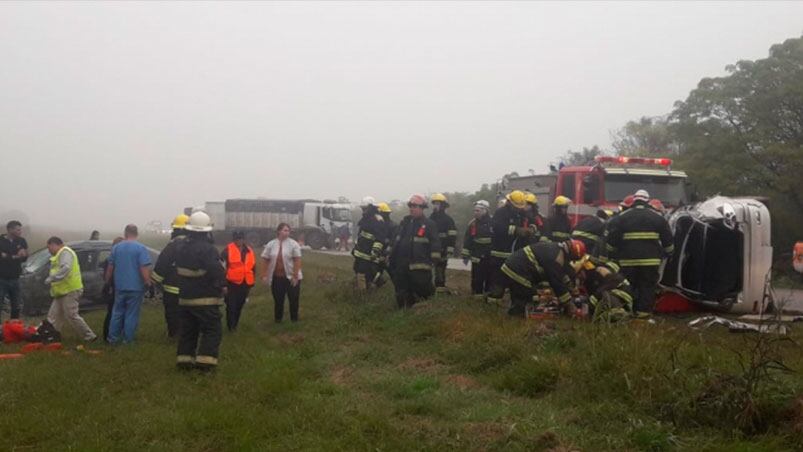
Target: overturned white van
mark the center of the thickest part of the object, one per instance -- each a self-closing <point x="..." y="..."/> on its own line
<point x="723" y="254"/>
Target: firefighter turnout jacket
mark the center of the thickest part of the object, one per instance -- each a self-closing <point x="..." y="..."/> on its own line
<point x="417" y="244"/>
<point x="560" y="228"/>
<point x="510" y="231"/>
<point x="538" y="227"/>
<point x="546" y="261"/>
<point x="477" y="239"/>
<point x="639" y="237"/>
<point x="164" y="272"/>
<point x="201" y="276"/>
<point x="371" y="239"/>
<point x="447" y="232"/>
<point x="607" y="278"/>
<point x="590" y="231"/>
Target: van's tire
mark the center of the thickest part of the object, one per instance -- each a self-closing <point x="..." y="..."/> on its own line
<point x="316" y="240"/>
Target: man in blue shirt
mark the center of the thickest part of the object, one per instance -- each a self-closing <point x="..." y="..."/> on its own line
<point x="130" y="266"/>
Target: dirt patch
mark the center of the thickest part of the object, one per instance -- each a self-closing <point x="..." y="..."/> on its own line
<point x="342" y="376"/>
<point x="419" y="364"/>
<point x="463" y="382"/>
<point x="289" y="339"/>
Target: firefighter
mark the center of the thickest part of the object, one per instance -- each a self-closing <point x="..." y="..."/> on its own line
<point x="369" y="247"/>
<point x="540" y="231"/>
<point x="658" y="206"/>
<point x="390" y="228"/>
<point x="447" y="232"/>
<point x="202" y="285"/>
<point x="477" y="249"/>
<point x="591" y="231"/>
<point x="240" y="262"/>
<point x="560" y="227"/>
<point x="610" y="296"/>
<point x="416" y="248"/>
<point x="509" y="232"/>
<point x="542" y="262"/>
<point x="626" y="203"/>
<point x="164" y="274"/>
<point x="639" y="239"/>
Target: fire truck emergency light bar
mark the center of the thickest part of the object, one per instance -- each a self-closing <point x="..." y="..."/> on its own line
<point x="634" y="160"/>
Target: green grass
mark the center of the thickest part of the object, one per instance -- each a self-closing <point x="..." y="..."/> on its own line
<point x="357" y="374"/>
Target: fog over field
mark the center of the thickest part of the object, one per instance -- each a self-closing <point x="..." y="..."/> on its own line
<point x="126" y="112"/>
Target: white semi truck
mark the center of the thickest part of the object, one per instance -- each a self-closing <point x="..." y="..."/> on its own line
<point x="315" y="222"/>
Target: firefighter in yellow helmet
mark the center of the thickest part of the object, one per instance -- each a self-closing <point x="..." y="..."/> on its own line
<point x="164" y="274"/>
<point x="510" y="232"/>
<point x="560" y="227"/>
<point x="447" y="232"/>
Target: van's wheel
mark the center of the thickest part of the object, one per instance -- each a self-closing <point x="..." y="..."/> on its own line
<point x="316" y="240"/>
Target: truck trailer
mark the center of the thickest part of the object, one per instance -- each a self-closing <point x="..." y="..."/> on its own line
<point x="314" y="222"/>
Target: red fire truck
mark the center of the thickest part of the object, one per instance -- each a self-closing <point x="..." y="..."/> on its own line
<point x="604" y="184"/>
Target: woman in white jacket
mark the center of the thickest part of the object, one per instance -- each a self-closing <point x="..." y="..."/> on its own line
<point x="282" y="271"/>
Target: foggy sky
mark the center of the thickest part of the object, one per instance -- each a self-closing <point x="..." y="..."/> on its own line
<point x="112" y="113"/>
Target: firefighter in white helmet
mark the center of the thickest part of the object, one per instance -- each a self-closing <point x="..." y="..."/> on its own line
<point x="201" y="283"/>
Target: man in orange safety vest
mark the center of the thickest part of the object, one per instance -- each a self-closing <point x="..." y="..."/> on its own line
<point x="240" y="261"/>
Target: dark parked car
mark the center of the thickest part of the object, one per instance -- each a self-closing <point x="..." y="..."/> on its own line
<point x="91" y="254"/>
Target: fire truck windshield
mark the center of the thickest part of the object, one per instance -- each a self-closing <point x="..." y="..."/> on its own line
<point x="670" y="190"/>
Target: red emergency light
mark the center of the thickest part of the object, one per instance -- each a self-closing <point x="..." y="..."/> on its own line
<point x="623" y="160"/>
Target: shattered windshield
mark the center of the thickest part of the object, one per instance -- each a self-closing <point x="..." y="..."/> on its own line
<point x="36" y="261"/>
<point x="670" y="190"/>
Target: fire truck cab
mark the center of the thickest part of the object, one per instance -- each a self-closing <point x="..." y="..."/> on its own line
<point x="605" y="183"/>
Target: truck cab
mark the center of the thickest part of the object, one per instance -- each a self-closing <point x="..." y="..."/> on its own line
<point x="328" y="217"/>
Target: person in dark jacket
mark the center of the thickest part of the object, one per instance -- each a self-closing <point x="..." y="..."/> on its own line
<point x="13" y="253"/>
<point x="415" y="249"/>
<point x="164" y="274"/>
<point x="610" y="296"/>
<point x="560" y="226"/>
<point x="477" y="249"/>
<point x="369" y="247"/>
<point x="639" y="239"/>
<point x="202" y="285"/>
<point x="510" y="231"/>
<point x="447" y="232"/>
<point x="591" y="231"/>
<point x="543" y="262"/>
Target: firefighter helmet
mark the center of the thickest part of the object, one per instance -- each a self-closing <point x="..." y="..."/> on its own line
<point x="482" y="204"/>
<point x="384" y="207"/>
<point x="641" y="195"/>
<point x="517" y="198"/>
<point x="417" y="200"/>
<point x="627" y="202"/>
<point x="180" y="221"/>
<point x="531" y="198"/>
<point x="562" y="201"/>
<point x="577" y="249"/>
<point x="368" y="201"/>
<point x="439" y="197"/>
<point x="199" y="222"/>
<point x="657" y="205"/>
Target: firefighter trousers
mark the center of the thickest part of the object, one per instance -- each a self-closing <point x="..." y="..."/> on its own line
<point x="172" y="316"/>
<point x="201" y="332"/>
<point x="412" y="286"/>
<point x="367" y="273"/>
<point x="440" y="275"/>
<point x="235" y="300"/>
<point x="644" y="282"/>
<point x="481" y="273"/>
<point x="498" y="279"/>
